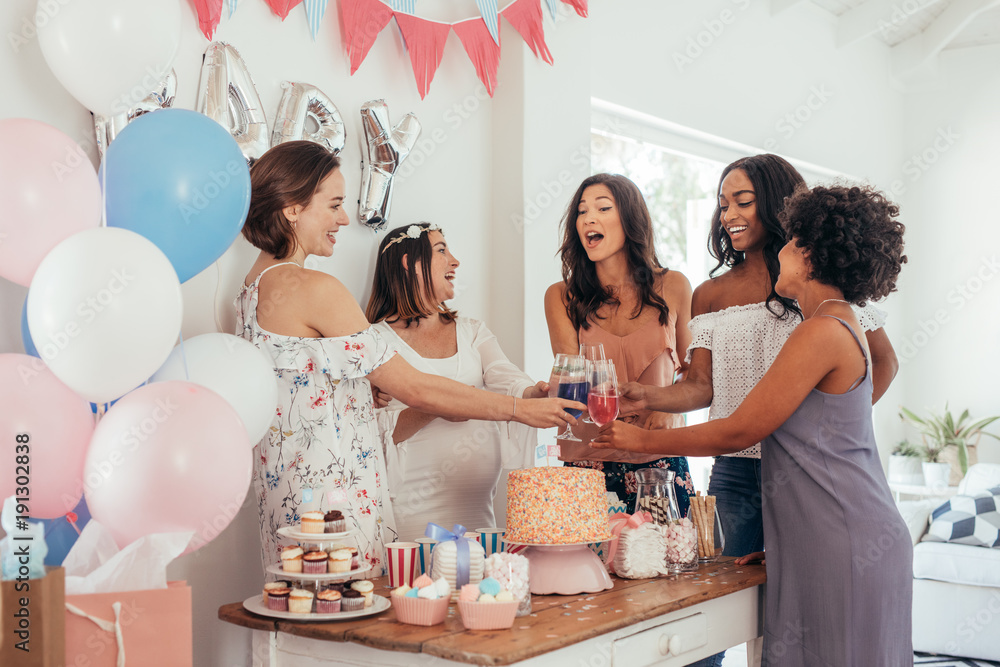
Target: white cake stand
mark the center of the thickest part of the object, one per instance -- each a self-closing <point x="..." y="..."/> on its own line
<point x="565" y="569"/>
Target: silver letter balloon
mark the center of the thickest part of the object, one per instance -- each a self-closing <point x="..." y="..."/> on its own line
<point x="227" y="95"/>
<point x="386" y="151"/>
<point x="300" y="103"/>
<point x="106" y="129"/>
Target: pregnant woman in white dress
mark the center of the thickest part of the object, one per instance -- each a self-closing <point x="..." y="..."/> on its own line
<point x="441" y="470"/>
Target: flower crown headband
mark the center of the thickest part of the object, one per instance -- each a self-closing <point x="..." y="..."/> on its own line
<point x="412" y="232"/>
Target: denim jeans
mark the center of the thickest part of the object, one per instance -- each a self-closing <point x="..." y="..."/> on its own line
<point x="735" y="483"/>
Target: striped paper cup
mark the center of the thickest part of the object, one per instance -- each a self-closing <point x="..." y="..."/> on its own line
<point x="426" y="547"/>
<point x="402" y="558"/>
<point x="491" y="539"/>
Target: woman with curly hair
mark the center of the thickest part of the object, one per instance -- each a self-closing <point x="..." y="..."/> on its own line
<point x="839" y="557"/>
<point x="614" y="292"/>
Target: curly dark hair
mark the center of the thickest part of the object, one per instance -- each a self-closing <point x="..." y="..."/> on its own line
<point x="584" y="292"/>
<point x="851" y="236"/>
<point x="773" y="179"/>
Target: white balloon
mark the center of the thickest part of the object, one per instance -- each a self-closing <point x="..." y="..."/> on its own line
<point x="104" y="311"/>
<point x="109" y="53"/>
<point x="234" y="369"/>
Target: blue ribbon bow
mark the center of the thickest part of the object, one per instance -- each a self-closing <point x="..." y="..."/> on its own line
<point x="436" y="532"/>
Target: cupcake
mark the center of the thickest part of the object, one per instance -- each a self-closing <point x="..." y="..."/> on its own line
<point x="367" y="589"/>
<point x="352" y="600"/>
<point x="328" y="601"/>
<point x="277" y="599"/>
<point x="340" y="560"/>
<point x="291" y="559"/>
<point x="355" y="563"/>
<point x="275" y="584"/>
<point x="312" y="522"/>
<point x="333" y="522"/>
<point x="314" y="562"/>
<point x="300" y="601"/>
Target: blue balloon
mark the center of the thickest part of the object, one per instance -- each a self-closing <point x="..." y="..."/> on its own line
<point x="178" y="178"/>
<point x="29" y="345"/>
<point x="60" y="536"/>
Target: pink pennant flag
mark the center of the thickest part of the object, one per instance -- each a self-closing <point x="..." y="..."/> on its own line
<point x="482" y="50"/>
<point x="282" y="7"/>
<point x="526" y="17"/>
<point x="209" y="14"/>
<point x="362" y="21"/>
<point x="425" y="42"/>
<point x="579" y="5"/>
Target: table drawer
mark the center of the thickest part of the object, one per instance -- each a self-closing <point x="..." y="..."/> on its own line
<point x="661" y="643"/>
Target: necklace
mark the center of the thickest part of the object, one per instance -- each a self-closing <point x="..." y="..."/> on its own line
<point x="826" y="301"/>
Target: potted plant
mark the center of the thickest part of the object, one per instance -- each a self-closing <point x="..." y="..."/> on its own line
<point x="904" y="464"/>
<point x="941" y="432"/>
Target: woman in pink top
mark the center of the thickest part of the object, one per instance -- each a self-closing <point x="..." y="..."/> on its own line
<point x="615" y="292"/>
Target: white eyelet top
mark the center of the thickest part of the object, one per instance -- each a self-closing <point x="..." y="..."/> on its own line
<point x="744" y="341"/>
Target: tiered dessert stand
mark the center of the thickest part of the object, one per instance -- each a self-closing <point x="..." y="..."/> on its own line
<point x="257" y="605"/>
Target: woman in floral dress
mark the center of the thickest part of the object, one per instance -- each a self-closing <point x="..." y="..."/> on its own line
<point x="323" y="449"/>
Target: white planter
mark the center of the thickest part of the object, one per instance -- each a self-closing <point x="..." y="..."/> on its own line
<point x="936" y="474"/>
<point x="905" y="470"/>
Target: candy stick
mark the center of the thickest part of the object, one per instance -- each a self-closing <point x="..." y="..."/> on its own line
<point x="711" y="521"/>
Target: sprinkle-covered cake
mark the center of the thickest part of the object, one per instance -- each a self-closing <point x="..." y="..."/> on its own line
<point x="557" y="505"/>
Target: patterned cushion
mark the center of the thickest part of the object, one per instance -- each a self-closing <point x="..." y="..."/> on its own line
<point x="973" y="520"/>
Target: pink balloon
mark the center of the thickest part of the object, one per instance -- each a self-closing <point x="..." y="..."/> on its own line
<point x="57" y="424"/>
<point x="49" y="191"/>
<point x="168" y="457"/>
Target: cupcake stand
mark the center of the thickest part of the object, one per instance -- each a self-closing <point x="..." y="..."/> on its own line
<point x="257" y="605"/>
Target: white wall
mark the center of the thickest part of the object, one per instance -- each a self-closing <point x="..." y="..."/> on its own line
<point x="950" y="342"/>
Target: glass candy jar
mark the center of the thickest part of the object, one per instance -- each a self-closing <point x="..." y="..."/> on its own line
<point x="656" y="495"/>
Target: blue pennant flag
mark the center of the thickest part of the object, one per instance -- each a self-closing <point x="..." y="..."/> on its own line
<point x="315" y="9"/>
<point x="489" y="11"/>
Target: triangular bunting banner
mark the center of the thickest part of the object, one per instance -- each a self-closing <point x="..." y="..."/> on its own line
<point x="315" y="9"/>
<point x="232" y="6"/>
<point x="579" y="5"/>
<point x="363" y="20"/>
<point x="553" y="7"/>
<point x="209" y="14"/>
<point x="490" y="13"/>
<point x="282" y="7"/>
<point x="425" y="42"/>
<point x="483" y="51"/>
<point x="526" y="17"/>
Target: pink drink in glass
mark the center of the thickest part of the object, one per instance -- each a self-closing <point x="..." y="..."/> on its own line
<point x="603" y="407"/>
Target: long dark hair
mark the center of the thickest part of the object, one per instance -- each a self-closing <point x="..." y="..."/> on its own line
<point x="584" y="292"/>
<point x="396" y="292"/>
<point x="773" y="179"/>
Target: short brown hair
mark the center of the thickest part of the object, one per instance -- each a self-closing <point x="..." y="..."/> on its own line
<point x="286" y="175"/>
<point x="396" y="293"/>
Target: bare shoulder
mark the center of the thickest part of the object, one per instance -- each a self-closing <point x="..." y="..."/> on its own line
<point x="823" y="334"/>
<point x="555" y="294"/>
<point x="708" y="295"/>
<point x="674" y="282"/>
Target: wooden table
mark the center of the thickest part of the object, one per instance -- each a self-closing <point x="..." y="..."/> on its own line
<point x="665" y="621"/>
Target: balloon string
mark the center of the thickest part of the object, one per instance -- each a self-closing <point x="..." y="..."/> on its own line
<point x="187" y="374"/>
<point x="215" y="299"/>
<point x="104" y="188"/>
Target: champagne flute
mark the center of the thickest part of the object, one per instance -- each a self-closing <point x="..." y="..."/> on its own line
<point x="569" y="371"/>
<point x="602" y="399"/>
<point x="591" y="352"/>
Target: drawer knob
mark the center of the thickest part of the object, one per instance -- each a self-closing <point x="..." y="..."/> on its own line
<point x="670" y="644"/>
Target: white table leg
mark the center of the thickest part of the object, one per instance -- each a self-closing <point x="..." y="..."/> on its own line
<point x="264" y="648"/>
<point x="755" y="651"/>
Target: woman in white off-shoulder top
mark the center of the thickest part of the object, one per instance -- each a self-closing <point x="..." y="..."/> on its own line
<point x="738" y="326"/>
<point x="442" y="470"/>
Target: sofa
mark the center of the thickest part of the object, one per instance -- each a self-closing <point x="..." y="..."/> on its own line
<point x="956" y="587"/>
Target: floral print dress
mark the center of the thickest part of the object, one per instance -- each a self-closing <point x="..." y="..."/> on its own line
<point x="324" y="438"/>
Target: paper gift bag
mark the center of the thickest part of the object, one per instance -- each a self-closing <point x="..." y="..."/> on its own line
<point x="155" y="628"/>
<point x="31" y="618"/>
